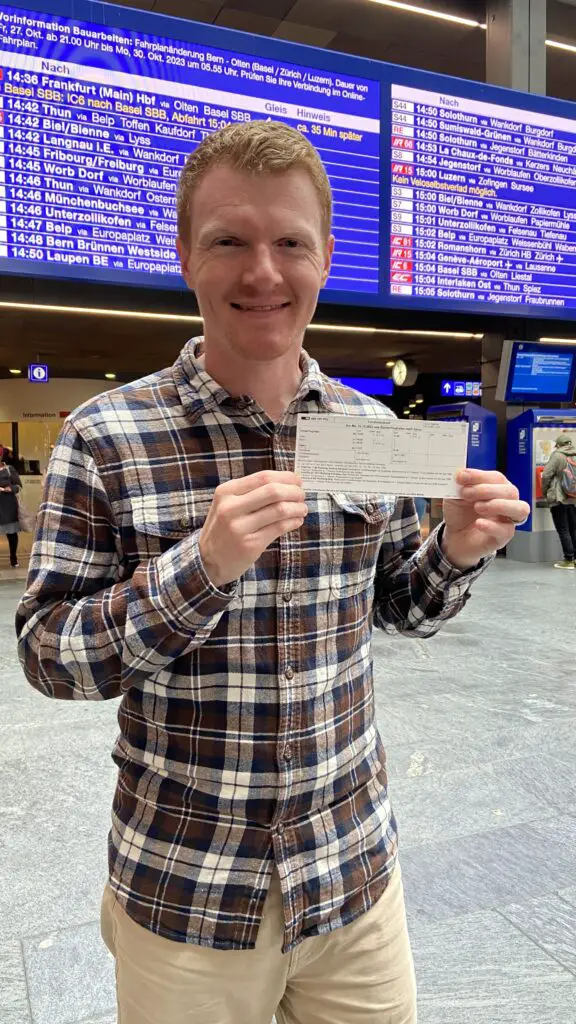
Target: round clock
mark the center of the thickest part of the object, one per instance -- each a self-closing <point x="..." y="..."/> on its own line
<point x="403" y="374"/>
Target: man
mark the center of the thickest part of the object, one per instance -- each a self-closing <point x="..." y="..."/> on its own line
<point x="562" y="502"/>
<point x="180" y="566"/>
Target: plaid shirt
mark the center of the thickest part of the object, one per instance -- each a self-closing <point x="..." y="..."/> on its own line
<point x="247" y="722"/>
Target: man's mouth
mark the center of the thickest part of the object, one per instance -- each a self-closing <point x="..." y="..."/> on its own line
<point x="253" y="307"/>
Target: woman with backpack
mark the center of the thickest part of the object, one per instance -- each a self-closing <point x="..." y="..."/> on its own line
<point x="559" y="489"/>
<point x="10" y="485"/>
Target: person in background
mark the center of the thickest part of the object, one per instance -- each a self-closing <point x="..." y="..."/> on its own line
<point x="557" y="490"/>
<point x="10" y="485"/>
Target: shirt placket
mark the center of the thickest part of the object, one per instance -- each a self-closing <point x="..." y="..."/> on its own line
<point x="289" y="706"/>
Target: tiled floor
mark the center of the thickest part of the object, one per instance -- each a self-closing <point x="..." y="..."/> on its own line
<point x="480" y="726"/>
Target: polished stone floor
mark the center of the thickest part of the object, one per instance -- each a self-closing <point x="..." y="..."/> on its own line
<point x="480" y="727"/>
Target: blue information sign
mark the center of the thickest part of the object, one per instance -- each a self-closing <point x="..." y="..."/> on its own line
<point x="38" y="373"/>
<point x="461" y="389"/>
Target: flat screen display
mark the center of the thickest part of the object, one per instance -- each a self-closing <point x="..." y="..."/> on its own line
<point x="541" y="373"/>
<point x="482" y="203"/>
<point x="96" y="122"/>
<point x="449" y="195"/>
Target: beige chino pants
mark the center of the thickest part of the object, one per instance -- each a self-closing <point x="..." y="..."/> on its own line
<point x="360" y="974"/>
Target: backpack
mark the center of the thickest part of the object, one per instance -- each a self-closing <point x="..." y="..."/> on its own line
<point x="568" y="479"/>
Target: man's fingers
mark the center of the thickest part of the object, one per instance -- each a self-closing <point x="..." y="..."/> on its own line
<point x="271" y="514"/>
<point x="489" y="492"/>
<point x="471" y="477"/>
<point x="510" y="511"/>
<point x="262" y="497"/>
<point x="245" y="484"/>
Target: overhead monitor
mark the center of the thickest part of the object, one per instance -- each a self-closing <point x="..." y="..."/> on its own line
<point x="536" y="373"/>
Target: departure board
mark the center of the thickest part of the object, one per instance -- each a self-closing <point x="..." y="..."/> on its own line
<point x="96" y="122"/>
<point x="483" y="203"/>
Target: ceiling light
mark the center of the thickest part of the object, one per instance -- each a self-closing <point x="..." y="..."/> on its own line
<point x="413" y="9"/>
<point x="419" y="400"/>
<point x="136" y="314"/>
<point x="390" y="363"/>
<point x="37" y="307"/>
<point x="15" y="372"/>
<point x="341" y="327"/>
<point x="561" y="46"/>
<point x="110" y="376"/>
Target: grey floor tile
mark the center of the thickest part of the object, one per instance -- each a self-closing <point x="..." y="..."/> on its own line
<point x="568" y="895"/>
<point x="14" y="1006"/>
<point x="70" y="975"/>
<point x="434" y="808"/>
<point x="520" y="739"/>
<point x="53" y="842"/>
<point x="489" y="870"/>
<point x="551" y="924"/>
<point x="485" y="797"/>
<point x="479" y="969"/>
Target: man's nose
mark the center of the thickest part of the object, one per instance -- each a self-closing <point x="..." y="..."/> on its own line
<point x="262" y="268"/>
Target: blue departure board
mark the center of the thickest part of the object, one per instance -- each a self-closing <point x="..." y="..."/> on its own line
<point x="96" y="122"/>
<point x="449" y="195"/>
<point x="482" y="203"/>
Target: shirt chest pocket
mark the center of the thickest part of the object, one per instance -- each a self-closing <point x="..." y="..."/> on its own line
<point x="340" y="541"/>
<point x="162" y="520"/>
<point x="357" y="526"/>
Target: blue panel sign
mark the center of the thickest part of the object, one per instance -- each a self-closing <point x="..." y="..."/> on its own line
<point x="461" y="389"/>
<point x="369" y="385"/>
<point x="38" y="373"/>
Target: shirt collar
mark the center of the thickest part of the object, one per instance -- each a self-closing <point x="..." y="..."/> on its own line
<point x="198" y="391"/>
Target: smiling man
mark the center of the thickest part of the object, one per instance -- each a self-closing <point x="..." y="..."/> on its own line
<point x="180" y="566"/>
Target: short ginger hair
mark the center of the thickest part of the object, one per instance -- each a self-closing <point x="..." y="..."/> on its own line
<point x="255" y="147"/>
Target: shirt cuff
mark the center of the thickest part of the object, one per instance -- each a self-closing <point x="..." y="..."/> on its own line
<point x="441" y="573"/>
<point x="188" y="593"/>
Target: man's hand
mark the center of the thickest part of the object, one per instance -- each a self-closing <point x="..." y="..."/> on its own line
<point x="245" y="517"/>
<point x="483" y="520"/>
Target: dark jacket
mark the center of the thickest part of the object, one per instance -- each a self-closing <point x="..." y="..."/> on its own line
<point x="552" y="475"/>
<point x="8" y="502"/>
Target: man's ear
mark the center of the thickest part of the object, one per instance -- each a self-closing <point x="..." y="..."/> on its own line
<point x="328" y="253"/>
<point x="184" y="257"/>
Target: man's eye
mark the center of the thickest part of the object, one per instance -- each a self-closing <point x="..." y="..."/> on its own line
<point x="227" y="241"/>
<point x="290" y="243"/>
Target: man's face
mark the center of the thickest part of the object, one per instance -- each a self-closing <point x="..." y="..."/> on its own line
<point x="257" y="259"/>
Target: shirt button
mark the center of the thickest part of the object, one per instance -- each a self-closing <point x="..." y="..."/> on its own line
<point x="370" y="507"/>
<point x="287" y="596"/>
<point x="289" y="673"/>
<point x="280" y="830"/>
<point x="287" y="752"/>
<point x="185" y="522"/>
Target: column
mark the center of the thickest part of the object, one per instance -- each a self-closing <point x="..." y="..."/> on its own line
<point x="516" y="44"/>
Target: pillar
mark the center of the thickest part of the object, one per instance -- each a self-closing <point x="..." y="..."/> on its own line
<point x="516" y="44"/>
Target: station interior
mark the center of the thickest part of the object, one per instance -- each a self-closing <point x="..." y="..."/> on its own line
<point x="478" y="722"/>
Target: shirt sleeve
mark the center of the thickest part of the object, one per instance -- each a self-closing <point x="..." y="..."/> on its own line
<point x="84" y="633"/>
<point x="416" y="588"/>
